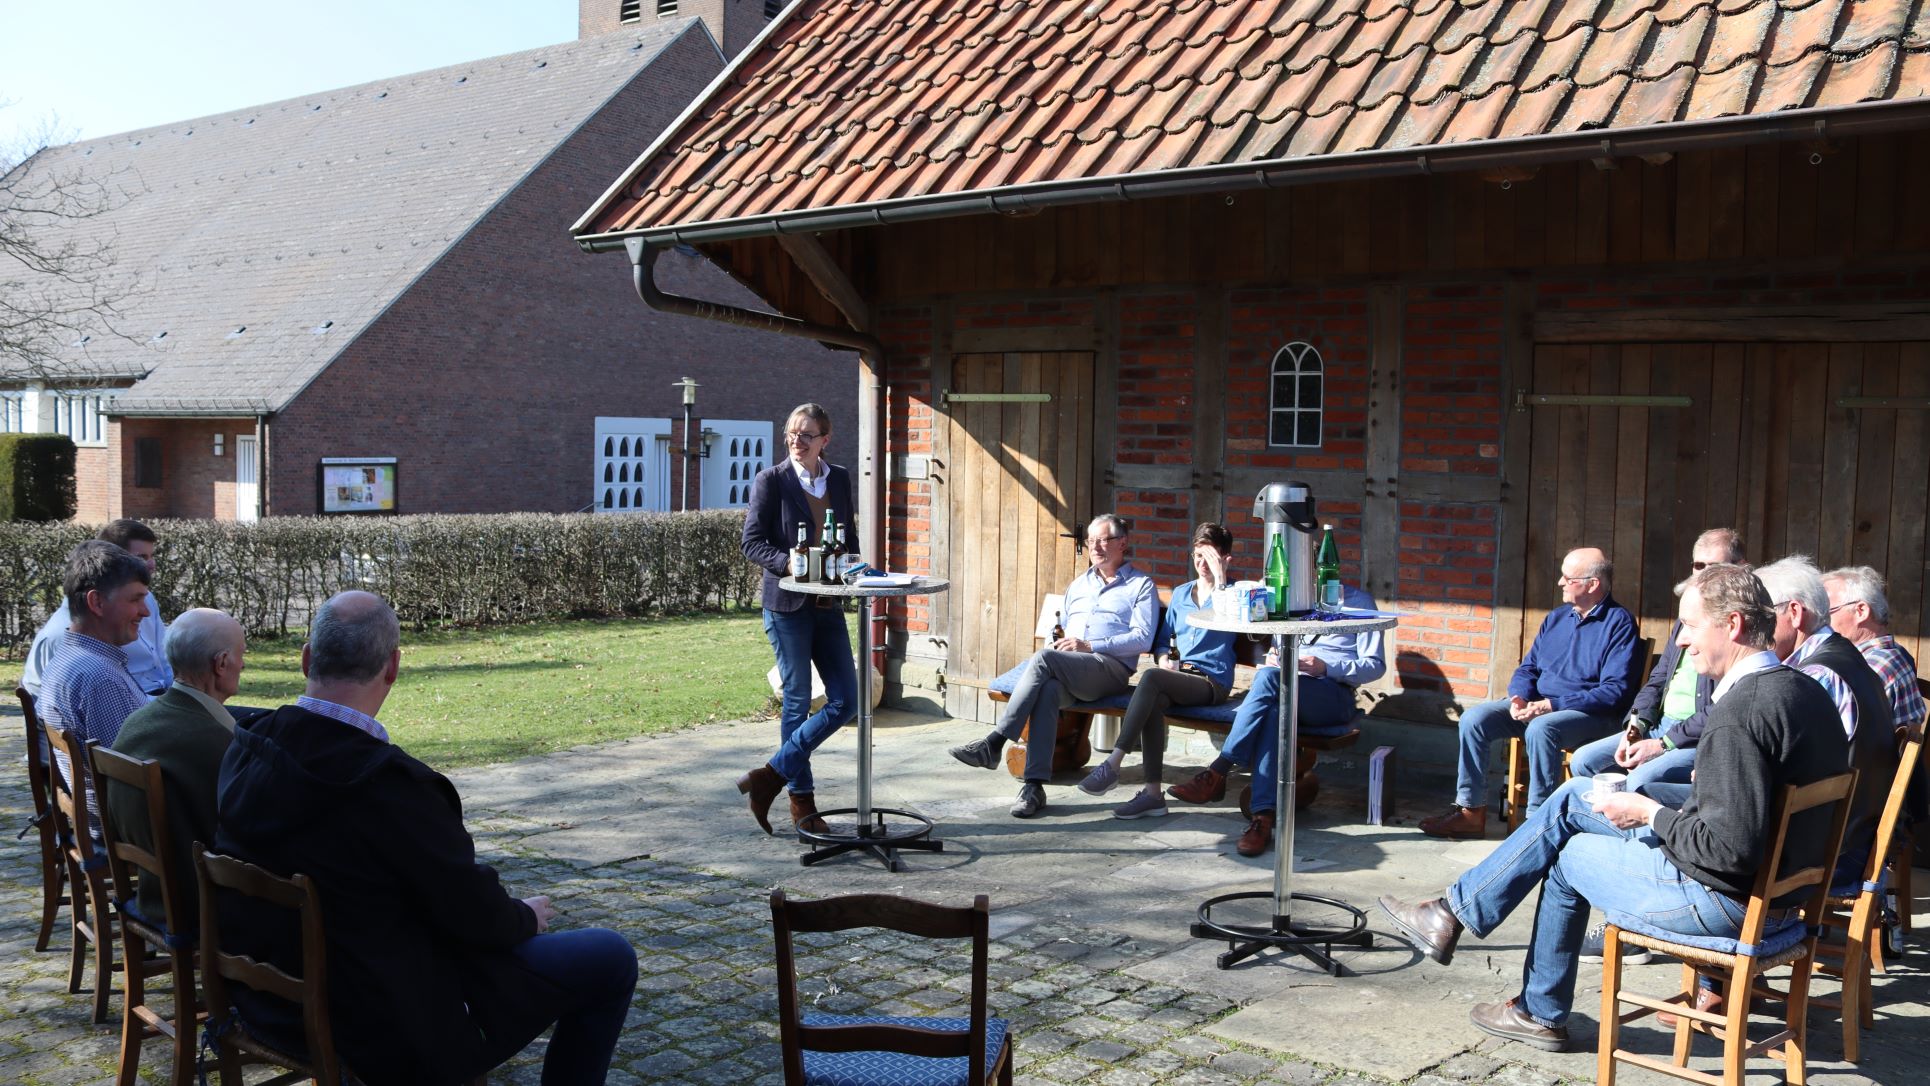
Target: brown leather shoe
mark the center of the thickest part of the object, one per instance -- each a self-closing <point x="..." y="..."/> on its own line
<point x="1205" y="787"/>
<point x="1258" y="837"/>
<point x="1460" y="823"/>
<point x="762" y="785"/>
<point x="1705" y="1000"/>
<point x="1508" y="1022"/>
<point x="1431" y="926"/>
<point x="804" y="813"/>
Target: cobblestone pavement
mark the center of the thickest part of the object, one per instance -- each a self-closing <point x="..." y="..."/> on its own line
<point x="1090" y="1003"/>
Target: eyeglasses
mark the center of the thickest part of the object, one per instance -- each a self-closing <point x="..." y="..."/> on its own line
<point x="1840" y="606"/>
<point x="1566" y="579"/>
<point x="1095" y="540"/>
<point x="1700" y="566"/>
<point x="795" y="436"/>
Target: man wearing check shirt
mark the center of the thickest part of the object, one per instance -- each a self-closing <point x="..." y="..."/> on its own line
<point x="1110" y="612"/>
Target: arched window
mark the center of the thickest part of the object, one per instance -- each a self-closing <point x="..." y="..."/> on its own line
<point x="1297" y="393"/>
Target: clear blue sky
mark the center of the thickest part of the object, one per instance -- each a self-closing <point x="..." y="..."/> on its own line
<point x="108" y="66"/>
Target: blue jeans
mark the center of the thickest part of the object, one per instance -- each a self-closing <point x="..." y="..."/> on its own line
<point x="1546" y="735"/>
<point x="1254" y="739"/>
<point x="801" y="638"/>
<point x="1665" y="778"/>
<point x="596" y="969"/>
<point x="1580" y="859"/>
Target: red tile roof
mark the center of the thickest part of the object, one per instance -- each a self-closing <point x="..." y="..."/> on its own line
<point x="851" y="102"/>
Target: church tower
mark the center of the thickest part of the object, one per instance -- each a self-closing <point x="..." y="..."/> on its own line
<point x="733" y="23"/>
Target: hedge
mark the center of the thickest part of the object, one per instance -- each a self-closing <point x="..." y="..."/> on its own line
<point x="435" y="570"/>
<point x="36" y="477"/>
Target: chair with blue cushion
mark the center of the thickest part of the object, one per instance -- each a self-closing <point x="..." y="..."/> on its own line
<point x="1771" y="937"/>
<point x="888" y="1050"/>
<point x="150" y="945"/>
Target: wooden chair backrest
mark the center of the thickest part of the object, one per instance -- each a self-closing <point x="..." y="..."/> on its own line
<point x="220" y="967"/>
<point x="40" y="778"/>
<point x="143" y="776"/>
<point x="1886" y="826"/>
<point x="72" y="820"/>
<point x="897" y="914"/>
<point x="1796" y="799"/>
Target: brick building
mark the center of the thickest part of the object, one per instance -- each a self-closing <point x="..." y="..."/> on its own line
<point x="370" y="293"/>
<point x="1498" y="280"/>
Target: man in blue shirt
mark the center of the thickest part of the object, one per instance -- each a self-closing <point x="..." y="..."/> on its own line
<point x="1576" y="684"/>
<point x="1332" y="666"/>
<point x="86" y="689"/>
<point x="146" y="660"/>
<point x="1110" y="612"/>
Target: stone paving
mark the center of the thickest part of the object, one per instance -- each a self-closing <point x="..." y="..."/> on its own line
<point x="1090" y="959"/>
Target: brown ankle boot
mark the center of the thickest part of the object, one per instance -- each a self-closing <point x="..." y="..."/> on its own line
<point x="762" y="786"/>
<point x="1459" y="823"/>
<point x="804" y="813"/>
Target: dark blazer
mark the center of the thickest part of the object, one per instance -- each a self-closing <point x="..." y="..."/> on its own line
<point x="420" y="968"/>
<point x="1872" y="749"/>
<point x="176" y="731"/>
<point x="778" y="504"/>
<point x="1648" y="701"/>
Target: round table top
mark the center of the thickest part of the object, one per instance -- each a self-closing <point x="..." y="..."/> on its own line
<point x="1301" y="626"/>
<point x="920" y="586"/>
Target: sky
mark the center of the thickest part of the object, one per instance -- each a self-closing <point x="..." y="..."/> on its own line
<point x="139" y="63"/>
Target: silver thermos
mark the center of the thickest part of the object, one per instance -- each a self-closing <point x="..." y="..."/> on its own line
<point x="1287" y="509"/>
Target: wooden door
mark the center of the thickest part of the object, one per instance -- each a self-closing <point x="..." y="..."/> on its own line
<point x="1767" y="445"/>
<point x="1018" y="494"/>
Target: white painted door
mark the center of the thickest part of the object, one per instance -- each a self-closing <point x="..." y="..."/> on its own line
<point x="247" y="485"/>
<point x="742" y="449"/>
<point x="632" y="465"/>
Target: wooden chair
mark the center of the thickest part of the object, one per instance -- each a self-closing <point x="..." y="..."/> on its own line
<point x="1515" y="797"/>
<point x="1858" y="915"/>
<point x="93" y="907"/>
<point x="821" y="1048"/>
<point x="150" y="946"/>
<point x="40" y="781"/>
<point x="1741" y="968"/>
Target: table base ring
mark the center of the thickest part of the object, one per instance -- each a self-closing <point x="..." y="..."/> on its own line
<point x="1245" y="941"/>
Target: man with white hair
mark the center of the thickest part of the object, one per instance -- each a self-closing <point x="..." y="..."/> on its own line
<point x="1860" y="611"/>
<point x="186" y="730"/>
<point x="1804" y="641"/>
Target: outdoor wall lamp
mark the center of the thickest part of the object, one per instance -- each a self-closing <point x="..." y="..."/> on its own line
<point x="709" y="438"/>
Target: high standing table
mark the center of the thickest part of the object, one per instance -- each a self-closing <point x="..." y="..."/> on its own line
<point x="869" y="830"/>
<point x="1283" y="932"/>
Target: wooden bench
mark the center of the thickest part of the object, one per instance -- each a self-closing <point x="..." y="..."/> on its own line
<point x="1073" y="747"/>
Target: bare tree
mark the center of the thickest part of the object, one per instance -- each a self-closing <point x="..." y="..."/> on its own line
<point x="58" y="285"/>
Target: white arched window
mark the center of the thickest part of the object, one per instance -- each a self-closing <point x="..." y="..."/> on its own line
<point x="1296" y="392"/>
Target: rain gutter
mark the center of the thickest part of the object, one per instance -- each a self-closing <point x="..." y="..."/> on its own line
<point x="1821" y="126"/>
<point x="643" y="270"/>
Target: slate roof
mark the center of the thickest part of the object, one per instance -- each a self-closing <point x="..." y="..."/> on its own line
<point x="863" y="102"/>
<point x="302" y="220"/>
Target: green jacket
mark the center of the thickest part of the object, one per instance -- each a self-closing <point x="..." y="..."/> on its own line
<point x="178" y="732"/>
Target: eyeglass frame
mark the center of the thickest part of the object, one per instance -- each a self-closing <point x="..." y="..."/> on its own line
<point x="792" y="436"/>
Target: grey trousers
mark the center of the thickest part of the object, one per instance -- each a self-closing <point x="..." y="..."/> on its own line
<point x="1159" y="690"/>
<point x="1053" y="680"/>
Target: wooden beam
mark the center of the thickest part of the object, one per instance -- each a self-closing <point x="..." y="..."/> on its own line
<point x="1754" y="324"/>
<point x="1380" y="512"/>
<point x="1209" y="406"/>
<point x="824" y="272"/>
<point x="1517" y="464"/>
<point x="1050" y="337"/>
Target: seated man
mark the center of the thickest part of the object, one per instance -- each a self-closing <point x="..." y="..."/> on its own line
<point x="145" y="659"/>
<point x="186" y="731"/>
<point x="1657" y="746"/>
<point x="1110" y="611"/>
<point x="1688" y="871"/>
<point x="1332" y="666"/>
<point x="1575" y="685"/>
<point x="436" y="974"/>
<point x="86" y="688"/>
<point x="1860" y="610"/>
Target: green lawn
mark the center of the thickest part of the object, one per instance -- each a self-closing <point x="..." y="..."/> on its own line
<point x="473" y="696"/>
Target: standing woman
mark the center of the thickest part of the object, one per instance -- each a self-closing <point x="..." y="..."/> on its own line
<point x="804" y="630"/>
<point x="1195" y="668"/>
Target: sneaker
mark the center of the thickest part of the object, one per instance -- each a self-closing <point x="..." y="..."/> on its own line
<point x="1598" y="935"/>
<point x="1142" y="806"/>
<point x="1031" y="801"/>
<point x="1100" y="780"/>
<point x="1205" y="787"/>
<point x="977" y="753"/>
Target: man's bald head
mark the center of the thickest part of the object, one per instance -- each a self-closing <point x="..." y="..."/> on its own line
<point x="198" y="637"/>
<point x="1585" y="573"/>
<point x="353" y="638"/>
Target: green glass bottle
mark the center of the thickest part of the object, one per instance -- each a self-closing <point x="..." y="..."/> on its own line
<point x="1327" y="569"/>
<point x="827" y="544"/>
<point x="1277" y="577"/>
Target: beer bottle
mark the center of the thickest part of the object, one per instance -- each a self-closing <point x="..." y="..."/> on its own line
<point x="832" y="550"/>
<point x="1058" y="627"/>
<point x="822" y="574"/>
<point x="801" y="554"/>
<point x="1327" y="567"/>
<point x="1277" y="577"/>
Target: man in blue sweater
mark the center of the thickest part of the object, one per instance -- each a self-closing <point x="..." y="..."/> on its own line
<point x="1576" y="683"/>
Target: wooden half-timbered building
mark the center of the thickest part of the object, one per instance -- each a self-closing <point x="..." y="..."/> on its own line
<point x="1498" y="279"/>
